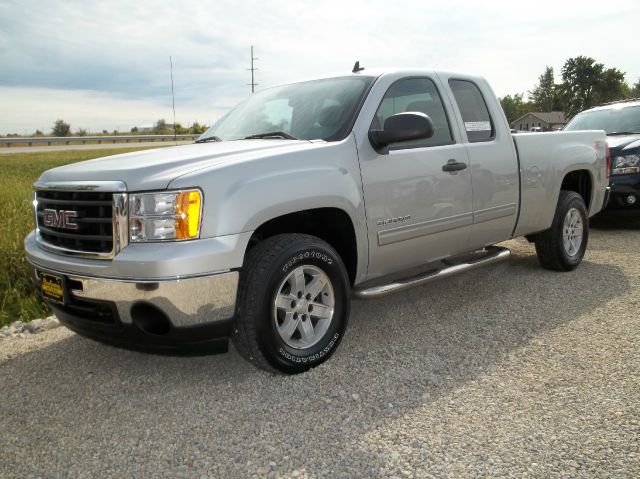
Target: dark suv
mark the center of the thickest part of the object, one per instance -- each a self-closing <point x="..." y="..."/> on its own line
<point x="621" y="121"/>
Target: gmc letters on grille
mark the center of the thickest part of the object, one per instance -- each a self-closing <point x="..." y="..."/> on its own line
<point x="59" y="219"/>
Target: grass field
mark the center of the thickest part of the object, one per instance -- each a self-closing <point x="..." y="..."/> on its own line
<point x="18" y="300"/>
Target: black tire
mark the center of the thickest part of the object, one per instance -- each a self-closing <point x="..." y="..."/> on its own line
<point x="550" y="246"/>
<point x="267" y="267"/>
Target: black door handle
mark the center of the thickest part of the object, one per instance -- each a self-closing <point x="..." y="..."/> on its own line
<point x="453" y="165"/>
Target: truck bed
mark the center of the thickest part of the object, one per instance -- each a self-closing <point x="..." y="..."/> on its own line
<point x="544" y="160"/>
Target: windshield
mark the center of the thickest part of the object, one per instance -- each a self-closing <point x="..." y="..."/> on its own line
<point x="612" y="120"/>
<point x="319" y="109"/>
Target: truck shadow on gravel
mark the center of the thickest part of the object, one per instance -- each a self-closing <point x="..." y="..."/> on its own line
<point x="79" y="398"/>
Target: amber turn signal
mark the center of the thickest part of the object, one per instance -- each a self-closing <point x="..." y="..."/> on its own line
<point x="188" y="205"/>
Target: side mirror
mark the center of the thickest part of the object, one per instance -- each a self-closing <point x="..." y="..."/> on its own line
<point x="404" y="126"/>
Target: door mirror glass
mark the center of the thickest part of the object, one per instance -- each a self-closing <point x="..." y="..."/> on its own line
<point x="404" y="126"/>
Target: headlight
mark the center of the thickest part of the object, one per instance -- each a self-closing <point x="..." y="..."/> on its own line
<point x="626" y="164"/>
<point x="165" y="216"/>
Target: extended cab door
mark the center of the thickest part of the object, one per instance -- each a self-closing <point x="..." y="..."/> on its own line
<point x="492" y="159"/>
<point x="416" y="212"/>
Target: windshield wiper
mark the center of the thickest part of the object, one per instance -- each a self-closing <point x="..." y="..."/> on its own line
<point x="271" y="134"/>
<point x="623" y="133"/>
<point x="209" y="138"/>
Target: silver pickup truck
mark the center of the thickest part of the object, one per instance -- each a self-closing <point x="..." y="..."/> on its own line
<point x="302" y="197"/>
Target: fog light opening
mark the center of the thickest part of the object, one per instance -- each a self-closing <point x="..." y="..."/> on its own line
<point x="631" y="199"/>
<point x="150" y="319"/>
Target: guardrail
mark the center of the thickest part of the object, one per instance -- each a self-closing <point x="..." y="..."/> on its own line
<point x="49" y="140"/>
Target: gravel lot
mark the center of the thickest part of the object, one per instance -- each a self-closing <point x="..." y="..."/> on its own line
<point x="507" y="371"/>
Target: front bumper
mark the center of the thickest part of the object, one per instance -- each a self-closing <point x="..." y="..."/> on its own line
<point x="181" y="314"/>
<point x="622" y="187"/>
<point x="163" y="295"/>
<point x="174" y="296"/>
<point x="186" y="302"/>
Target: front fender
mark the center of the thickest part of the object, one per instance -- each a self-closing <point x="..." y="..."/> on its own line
<point x="240" y="197"/>
<point x="254" y="201"/>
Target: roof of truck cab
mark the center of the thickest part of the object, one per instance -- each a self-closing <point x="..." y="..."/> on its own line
<point x="379" y="72"/>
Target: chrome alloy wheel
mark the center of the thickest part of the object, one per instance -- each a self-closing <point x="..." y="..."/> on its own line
<point x="572" y="232"/>
<point x="303" y="307"/>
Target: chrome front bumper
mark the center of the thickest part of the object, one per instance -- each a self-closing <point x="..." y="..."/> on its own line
<point x="187" y="302"/>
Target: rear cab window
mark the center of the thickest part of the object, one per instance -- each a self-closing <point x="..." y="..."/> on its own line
<point x="475" y="115"/>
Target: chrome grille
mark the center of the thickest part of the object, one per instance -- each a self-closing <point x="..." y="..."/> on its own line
<point x="93" y="220"/>
<point x="96" y="223"/>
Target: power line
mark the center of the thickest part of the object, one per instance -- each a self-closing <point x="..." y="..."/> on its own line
<point x="252" y="69"/>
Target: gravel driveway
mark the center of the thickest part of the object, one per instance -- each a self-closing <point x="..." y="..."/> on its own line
<point x="506" y="371"/>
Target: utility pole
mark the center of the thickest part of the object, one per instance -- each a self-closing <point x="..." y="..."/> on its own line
<point x="173" y="102"/>
<point x="252" y="69"/>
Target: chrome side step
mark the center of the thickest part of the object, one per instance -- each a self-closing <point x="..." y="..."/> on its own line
<point x="491" y="254"/>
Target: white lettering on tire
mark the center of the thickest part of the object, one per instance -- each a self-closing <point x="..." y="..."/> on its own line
<point x="306" y="255"/>
<point x="313" y="357"/>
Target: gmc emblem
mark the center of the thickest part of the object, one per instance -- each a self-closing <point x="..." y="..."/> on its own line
<point x="59" y="219"/>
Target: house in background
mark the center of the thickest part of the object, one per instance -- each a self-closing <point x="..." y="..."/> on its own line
<point x="540" y="121"/>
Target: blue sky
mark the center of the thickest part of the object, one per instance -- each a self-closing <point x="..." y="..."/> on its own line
<point x="105" y="65"/>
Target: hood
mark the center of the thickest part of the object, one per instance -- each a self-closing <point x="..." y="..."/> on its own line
<point x="618" y="143"/>
<point x="155" y="169"/>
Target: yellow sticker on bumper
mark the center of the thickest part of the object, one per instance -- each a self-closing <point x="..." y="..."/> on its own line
<point x="52" y="288"/>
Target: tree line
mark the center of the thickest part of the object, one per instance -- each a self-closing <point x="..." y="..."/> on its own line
<point x="585" y="84"/>
<point x="160" y="127"/>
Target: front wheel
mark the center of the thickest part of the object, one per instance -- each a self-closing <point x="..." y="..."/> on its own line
<point x="293" y="303"/>
<point x="562" y="247"/>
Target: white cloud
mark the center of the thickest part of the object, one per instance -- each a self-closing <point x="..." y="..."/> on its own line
<point x="121" y="49"/>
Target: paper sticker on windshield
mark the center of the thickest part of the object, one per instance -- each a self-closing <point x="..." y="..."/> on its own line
<point x="477" y="125"/>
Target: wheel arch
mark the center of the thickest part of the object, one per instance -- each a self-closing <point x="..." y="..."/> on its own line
<point x="330" y="224"/>
<point x="580" y="181"/>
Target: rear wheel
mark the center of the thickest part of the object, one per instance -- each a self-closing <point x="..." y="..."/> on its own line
<point x="293" y="303"/>
<point x="562" y="247"/>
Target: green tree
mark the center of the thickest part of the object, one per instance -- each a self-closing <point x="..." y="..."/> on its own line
<point x="544" y="94"/>
<point x="60" y="128"/>
<point x="613" y="86"/>
<point x="160" y="125"/>
<point x="515" y="106"/>
<point x="81" y="132"/>
<point x="197" y="128"/>
<point x="634" y="91"/>
<point x="586" y="83"/>
<point x="180" y="130"/>
<point x="134" y="129"/>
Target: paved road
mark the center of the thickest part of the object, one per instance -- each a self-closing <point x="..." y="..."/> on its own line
<point x="93" y="146"/>
<point x="507" y="371"/>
